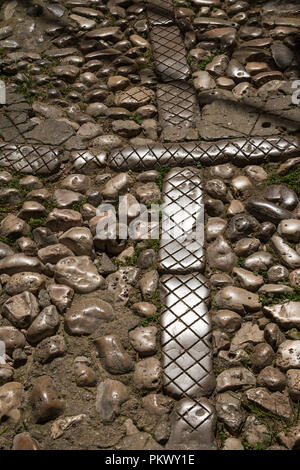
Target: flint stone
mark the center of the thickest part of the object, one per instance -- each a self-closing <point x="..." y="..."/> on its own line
<point x="147" y="374"/>
<point x="21" y="309"/>
<point x="234" y="379"/>
<point x="54" y="253"/>
<point x="115" y="358"/>
<point x="79" y="273"/>
<point x="111" y="394"/>
<point x="86" y="314"/>
<point x="220" y="255"/>
<point x="10" y="400"/>
<point x="27" y="281"/>
<point x="50" y="348"/>
<point x="45" y="400"/>
<point x="248" y="333"/>
<point x="288" y="355"/>
<point x="271" y="378"/>
<point x="286" y="314"/>
<point x="44" y="325"/>
<point x="264" y="210"/>
<point x="61" y="296"/>
<point x="237" y="299"/>
<point x="276" y="402"/>
<point x="12" y="338"/>
<point x="229" y="411"/>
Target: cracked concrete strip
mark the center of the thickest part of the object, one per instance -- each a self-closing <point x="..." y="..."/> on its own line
<point x="182" y="238"/>
<point x="240" y="152"/>
<point x="186" y="333"/>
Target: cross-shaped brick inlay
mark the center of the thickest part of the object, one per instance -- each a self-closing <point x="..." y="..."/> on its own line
<point x="182" y="226"/>
<point x="186" y="335"/>
<point x="177" y="104"/>
<point x="169" y="53"/>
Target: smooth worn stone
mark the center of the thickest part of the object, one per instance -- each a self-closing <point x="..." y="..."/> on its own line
<point x="27" y="246"/>
<point x="234" y="379"/>
<point x="256" y="173"/>
<point x="293" y="383"/>
<point x="24" y="441"/>
<point x="121" y="283"/>
<point x="215" y="226"/>
<point x="10" y="196"/>
<point x="221" y="280"/>
<point x="265" y="231"/>
<point x="144" y="309"/>
<point x="290" y="438"/>
<point x="221" y="341"/>
<point x="31" y="210"/>
<point x="218" y="65"/>
<point x="236" y="71"/>
<point x="89" y="130"/>
<point x="44" y="237"/>
<point x="21" y="309"/>
<point x="44" y="325"/>
<point x="148" y="192"/>
<point x="12" y="338"/>
<point x="107" y="142"/>
<point x="5" y="250"/>
<point x="147" y="374"/>
<point x="126" y="128"/>
<point x="79" y="273"/>
<point x="277" y="273"/>
<point x="275" y="289"/>
<point x="237" y="299"/>
<point x="225" y="171"/>
<point x="146" y="258"/>
<point x="111" y="394"/>
<point x="26" y="281"/>
<point x="115" y="185"/>
<point x="54" y="253"/>
<point x="79" y="240"/>
<point x="276" y="402"/>
<point x="255" y="431"/>
<point x="86" y="314"/>
<point x="235" y="207"/>
<point x="220" y="255"/>
<point x="290" y="230"/>
<point x="117" y="82"/>
<point x="282" y="195"/>
<point x="50" y="348"/>
<point x="203" y="81"/>
<point x="262" y="356"/>
<point x="287" y="254"/>
<point x="288" y="355"/>
<point x="261" y="260"/>
<point x="246" y="246"/>
<point x="11" y="395"/>
<point x="286" y="314"/>
<point x="12" y="226"/>
<point x="149" y="284"/>
<point x="214" y="207"/>
<point x="264" y="210"/>
<point x="247" y="279"/>
<point x="271" y="378"/>
<point x="229" y="411"/>
<point x="136" y="440"/>
<point x="45" y="400"/>
<point x="241" y="225"/>
<point x="63" y="219"/>
<point x="241" y="185"/>
<point x="157" y="404"/>
<point x="114" y="357"/>
<point x="294" y="278"/>
<point x="227" y="320"/>
<point x="273" y="335"/>
<point x="143" y="339"/>
<point x="193" y="423"/>
<point x="85" y="376"/>
<point x="6" y="373"/>
<point x="65" y="199"/>
<point x="247" y="334"/>
<point x="232" y="443"/>
<point x="283" y="56"/>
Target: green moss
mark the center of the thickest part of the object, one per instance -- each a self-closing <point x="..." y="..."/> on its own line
<point x="162" y="172"/>
<point x="153" y="243"/>
<point x="136" y="119"/>
<point x="76" y="206"/>
<point x="155" y="318"/>
<point x="156" y="300"/>
<point x="241" y="262"/>
<point x="291" y="179"/>
<point x="35" y="223"/>
<point x="25" y="88"/>
<point x="271" y="298"/>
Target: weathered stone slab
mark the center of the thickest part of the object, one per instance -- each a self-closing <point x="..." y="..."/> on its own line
<point x="32" y="159"/>
<point x="242" y="151"/>
<point x="186" y="332"/>
<point x="182" y="237"/>
<point x="193" y="425"/>
<point x="169" y="53"/>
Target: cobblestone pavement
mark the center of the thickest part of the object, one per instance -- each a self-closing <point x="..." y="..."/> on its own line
<point x="169" y="341"/>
